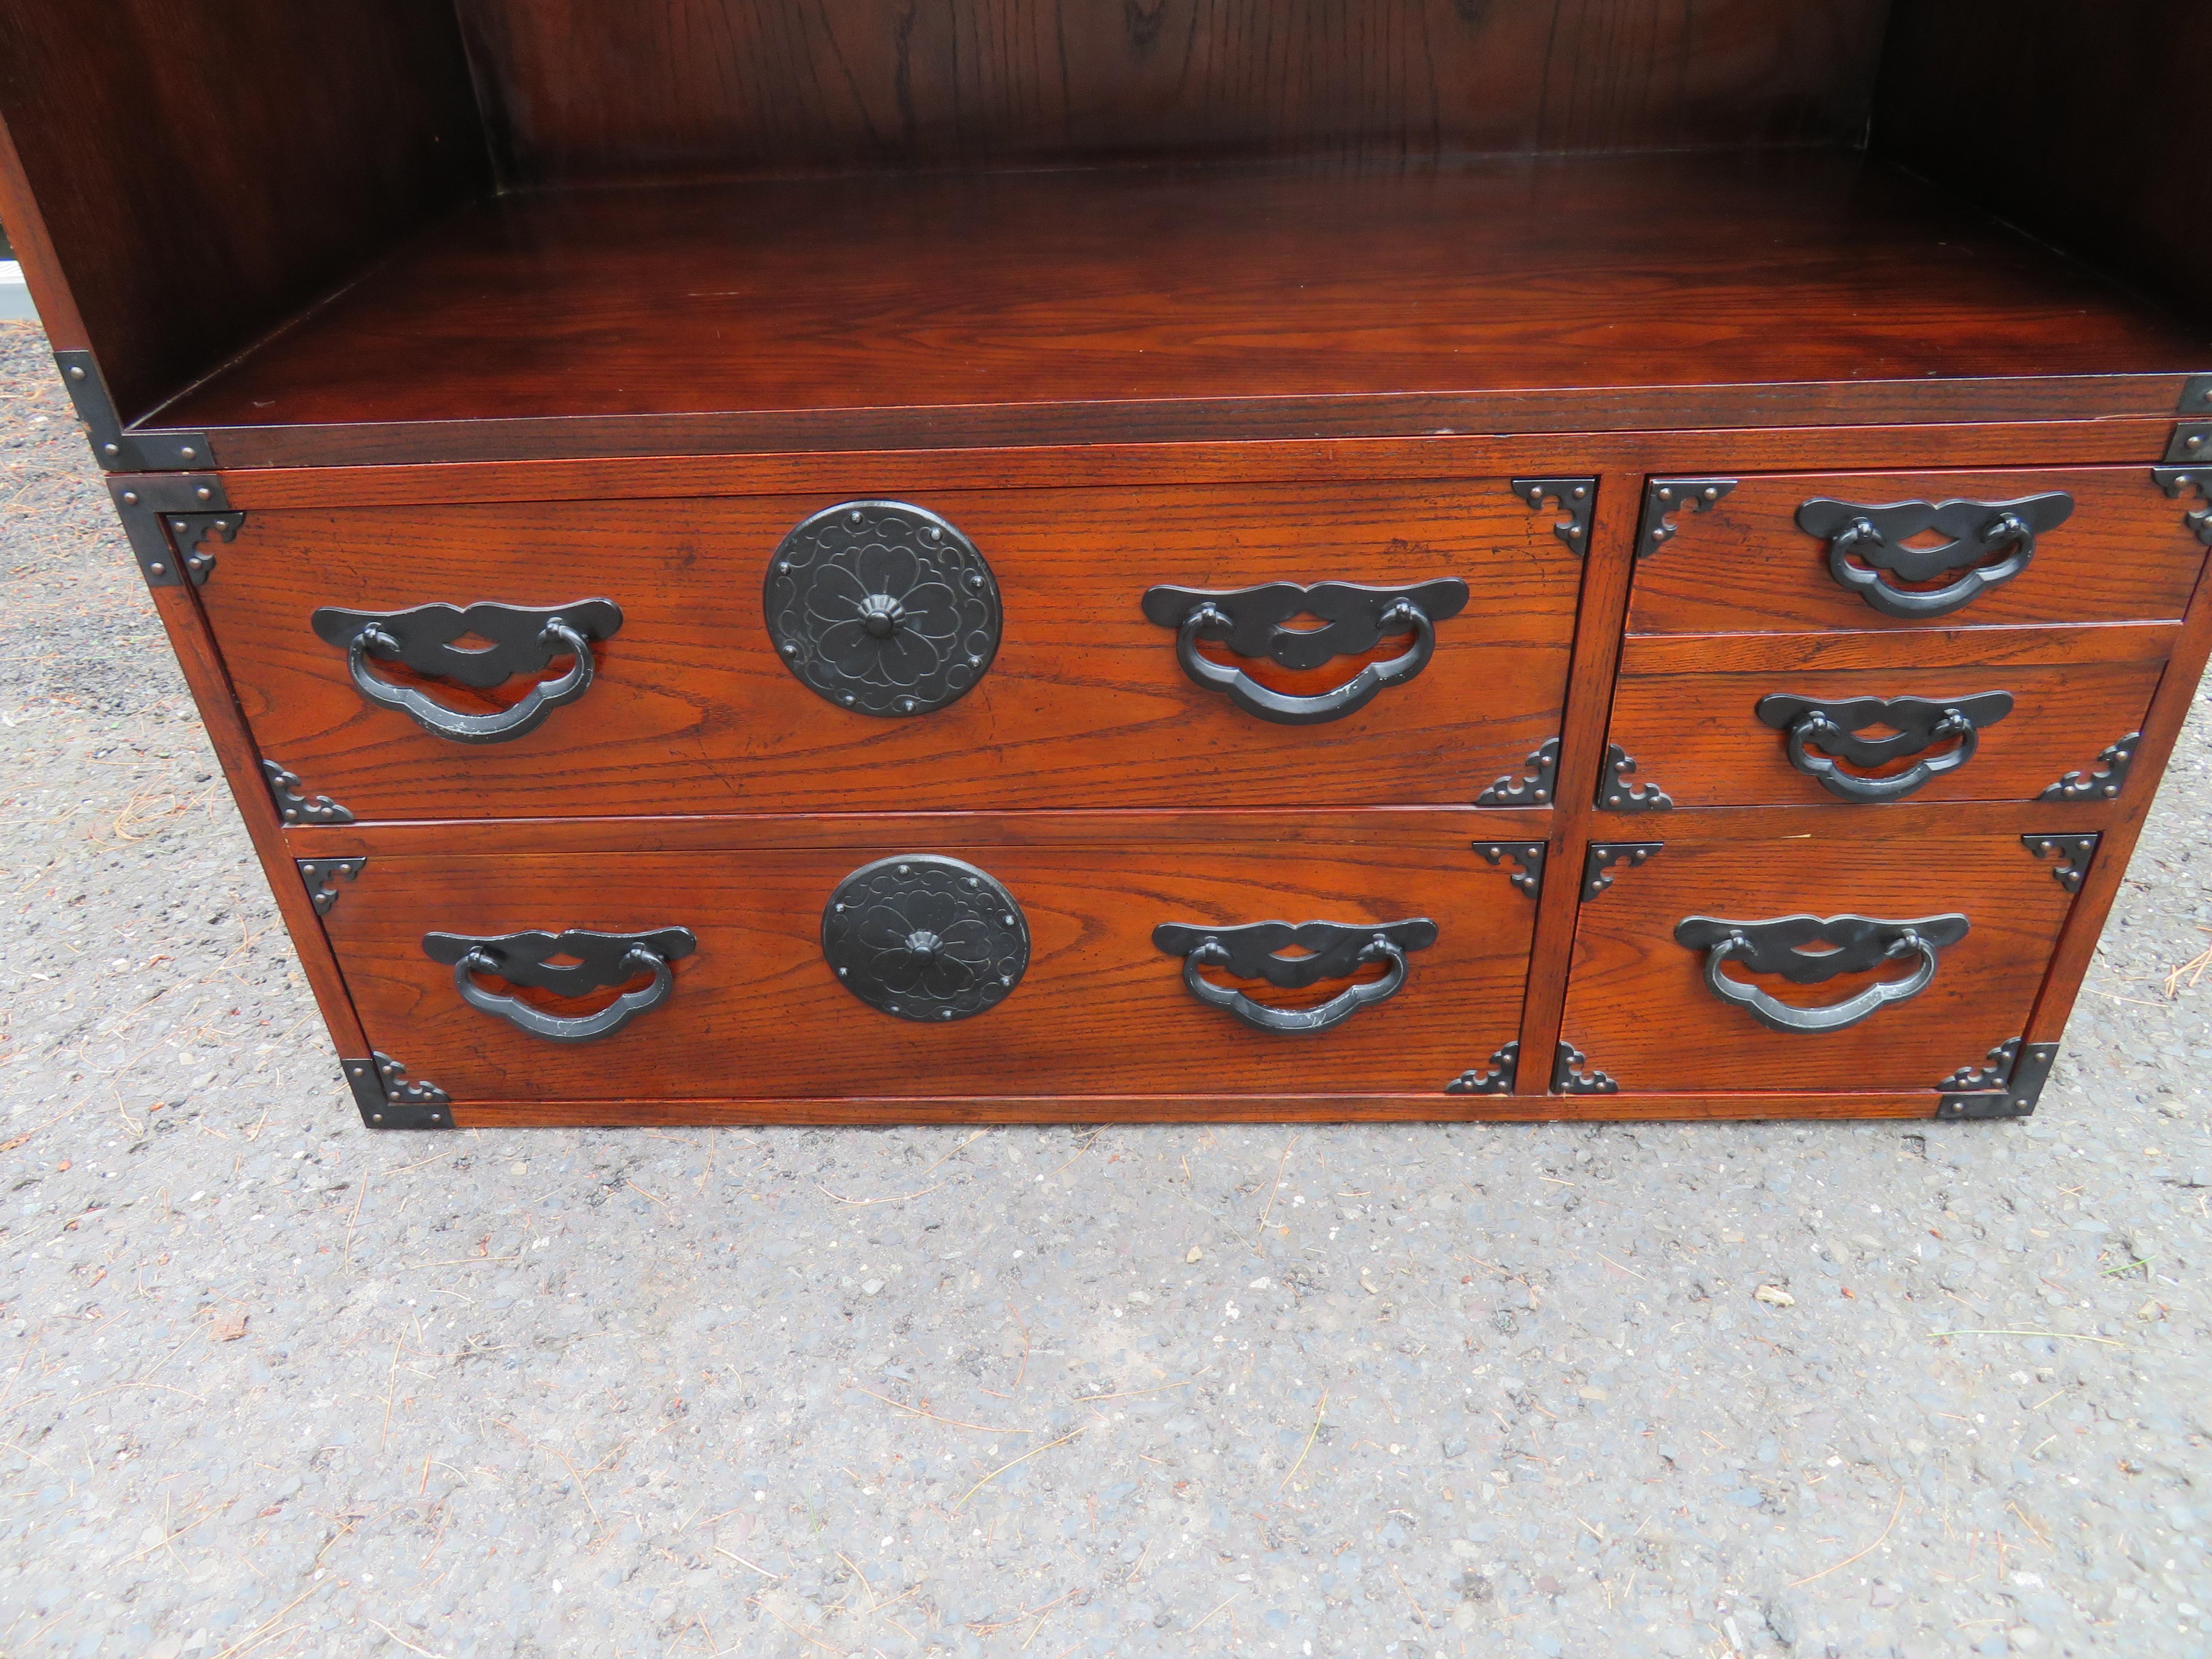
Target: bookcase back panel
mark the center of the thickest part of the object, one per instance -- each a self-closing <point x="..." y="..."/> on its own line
<point x="576" y="89"/>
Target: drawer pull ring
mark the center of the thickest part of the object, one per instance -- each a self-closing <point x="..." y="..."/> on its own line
<point x="1251" y="622"/>
<point x="1853" y="945"/>
<point x="601" y="961"/>
<point x="1334" y="950"/>
<point x="1916" y="723"/>
<point x="522" y="641"/>
<point x="1866" y="546"/>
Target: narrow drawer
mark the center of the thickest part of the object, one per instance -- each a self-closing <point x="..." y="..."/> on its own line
<point x="1955" y="929"/>
<point x="1795" y="553"/>
<point x="1985" y="713"/>
<point x="971" y="650"/>
<point x="964" y="964"/>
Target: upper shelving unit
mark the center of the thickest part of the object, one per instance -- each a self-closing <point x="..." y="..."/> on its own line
<point x="454" y="229"/>
<point x="1155" y="303"/>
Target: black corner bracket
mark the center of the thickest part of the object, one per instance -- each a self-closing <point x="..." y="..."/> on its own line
<point x="2196" y="395"/>
<point x="2179" y="482"/>
<point x="2103" y="783"/>
<point x="1615" y="793"/>
<point x="1598" y="863"/>
<point x="2192" y="443"/>
<point x="1577" y="499"/>
<point x="1533" y="790"/>
<point x="2072" y="852"/>
<point x="1529" y="855"/>
<point x="295" y="807"/>
<point x="2009" y="1084"/>
<point x="1664" y="497"/>
<point x="1495" y="1079"/>
<point x="1568" y="1076"/>
<point x="322" y="876"/>
<point x="388" y="1101"/>
<point x="115" y="449"/>
<point x="168" y="518"/>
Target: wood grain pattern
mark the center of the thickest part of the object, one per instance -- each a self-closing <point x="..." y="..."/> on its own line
<point x="756" y="1011"/>
<point x="207" y="167"/>
<point x="1188" y="1109"/>
<point x="692" y="711"/>
<point x="1638" y="1006"/>
<point x="1028" y="293"/>
<point x="577" y="90"/>
<point x="1308" y="461"/>
<point x="2097" y="163"/>
<point x="1688" y="715"/>
<point x="1744" y="567"/>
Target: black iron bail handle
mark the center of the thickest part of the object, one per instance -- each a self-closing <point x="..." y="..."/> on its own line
<point x="565" y="1028"/>
<point x="1815" y="730"/>
<point x="1258" y="1015"/>
<point x="556" y="637"/>
<point x="1284" y="709"/>
<point x="1866" y="546"/>
<point x="1784" y="1017"/>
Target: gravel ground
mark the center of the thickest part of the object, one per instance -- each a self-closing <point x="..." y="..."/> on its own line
<point x="271" y="1385"/>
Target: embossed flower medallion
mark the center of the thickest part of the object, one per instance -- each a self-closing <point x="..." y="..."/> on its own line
<point x="926" y="938"/>
<point x="883" y="608"/>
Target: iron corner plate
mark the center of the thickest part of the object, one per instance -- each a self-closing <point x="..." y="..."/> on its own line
<point x="322" y="876"/>
<point x="2007" y="1085"/>
<point x="2181" y="483"/>
<point x="168" y="518"/>
<point x="1533" y="789"/>
<point x="1599" y="862"/>
<point x="1665" y="497"/>
<point x="1569" y="1076"/>
<point x="1615" y="793"/>
<point x="2192" y="443"/>
<point x="294" y="807"/>
<point x="2196" y="395"/>
<point x="2073" y="853"/>
<point x="1495" y="1080"/>
<point x="1529" y="855"/>
<point x="115" y="449"/>
<point x="388" y="1101"/>
<point x="2102" y="782"/>
<point x="1577" y="499"/>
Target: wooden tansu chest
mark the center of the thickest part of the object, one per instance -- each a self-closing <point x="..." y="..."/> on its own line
<point x="1019" y="561"/>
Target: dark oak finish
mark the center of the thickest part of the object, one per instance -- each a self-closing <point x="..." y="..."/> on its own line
<point x="579" y="90"/>
<point x="1744" y="567"/>
<point x="208" y="168"/>
<point x="758" y="1012"/>
<point x="1638" y="1006"/>
<point x="1241" y="297"/>
<point x="1685" y="705"/>
<point x="692" y="711"/>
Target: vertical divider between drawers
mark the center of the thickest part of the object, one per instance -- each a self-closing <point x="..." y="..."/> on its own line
<point x="1608" y="571"/>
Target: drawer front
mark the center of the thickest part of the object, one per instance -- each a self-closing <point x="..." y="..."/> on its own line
<point x="1642" y="1002"/>
<point x="754" y="1004"/>
<point x="1867" y="718"/>
<point x="1790" y="554"/>
<point x="1083" y="697"/>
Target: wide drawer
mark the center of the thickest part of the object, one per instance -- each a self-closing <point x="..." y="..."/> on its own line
<point x="1797" y="552"/>
<point x="962" y="649"/>
<point x="1819" y="959"/>
<point x="1014" y="969"/>
<point x="1983" y="713"/>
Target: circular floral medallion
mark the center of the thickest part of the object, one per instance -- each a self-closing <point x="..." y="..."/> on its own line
<point x="925" y="938"/>
<point x="883" y="608"/>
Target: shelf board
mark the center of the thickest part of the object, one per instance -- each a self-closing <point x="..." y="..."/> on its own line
<point x="1592" y="292"/>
